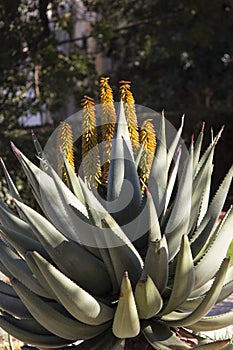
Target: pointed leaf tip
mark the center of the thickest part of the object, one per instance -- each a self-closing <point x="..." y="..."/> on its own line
<point x="126" y="321"/>
<point x="2" y="163"/>
<point x="219" y="134"/>
<point x="16" y="202"/>
<point x="148" y="194"/>
<point x="192" y="139"/>
<point x="16" y="151"/>
<point x="147" y="297"/>
<point x="203" y="127"/>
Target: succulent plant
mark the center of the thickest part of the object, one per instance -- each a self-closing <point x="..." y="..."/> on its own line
<point x="125" y="255"/>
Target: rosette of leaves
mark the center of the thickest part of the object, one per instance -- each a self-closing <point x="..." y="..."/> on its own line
<point x="87" y="268"/>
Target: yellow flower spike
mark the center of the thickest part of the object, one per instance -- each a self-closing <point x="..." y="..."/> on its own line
<point x="108" y="123"/>
<point x="148" y="138"/>
<point x="90" y="151"/>
<point x="130" y="113"/>
<point x="65" y="145"/>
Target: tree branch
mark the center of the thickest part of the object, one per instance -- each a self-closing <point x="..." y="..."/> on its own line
<point x="120" y="29"/>
<point x="43" y="5"/>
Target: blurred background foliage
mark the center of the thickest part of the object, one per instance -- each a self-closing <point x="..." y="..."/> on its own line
<point x="34" y="68"/>
<point x="178" y="55"/>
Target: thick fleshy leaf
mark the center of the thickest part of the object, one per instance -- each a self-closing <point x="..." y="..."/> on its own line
<point x="37" y="145"/>
<point x="12" y="221"/>
<point x="13" y="306"/>
<point x="161" y="337"/>
<point x="55" y="199"/>
<point x="28" y="170"/>
<point x="122" y="256"/>
<point x="29" y="337"/>
<point x="124" y="192"/>
<point x="148" y="300"/>
<point x="198" y="295"/>
<point x="140" y="226"/>
<point x="68" y="254"/>
<point x="212" y="257"/>
<point x="4" y="270"/>
<point x="12" y="188"/>
<point x="126" y="321"/>
<point x="28" y="324"/>
<point x="72" y="181"/>
<point x="184" y="272"/>
<point x="54" y="321"/>
<point x="21" y="242"/>
<point x="172" y="179"/>
<point x="208" y="150"/>
<point x="7" y="289"/>
<point x="180" y="215"/>
<point x="212" y="323"/>
<point x="38" y="274"/>
<point x="198" y="191"/>
<point x="117" y="161"/>
<point x="104" y="341"/>
<point x="80" y="304"/>
<point x="153" y="221"/>
<point x="183" y="319"/>
<point x="203" y="232"/>
<point x="197" y="149"/>
<point x="19" y="269"/>
<point x="175" y="143"/>
<point x="227" y="288"/>
<point x="157" y="182"/>
<point x="108" y="262"/>
<point x="121" y="251"/>
<point x="156" y="263"/>
<point x="205" y="197"/>
<point x="125" y="208"/>
<point x="131" y="182"/>
<point x="215" y="345"/>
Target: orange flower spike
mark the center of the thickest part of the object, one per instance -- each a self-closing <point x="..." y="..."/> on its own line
<point x="148" y="138"/>
<point x="65" y="145"/>
<point x="108" y="122"/>
<point x="130" y="113"/>
<point x="90" y="151"/>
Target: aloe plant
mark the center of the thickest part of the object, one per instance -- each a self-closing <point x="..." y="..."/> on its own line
<point x="90" y="268"/>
